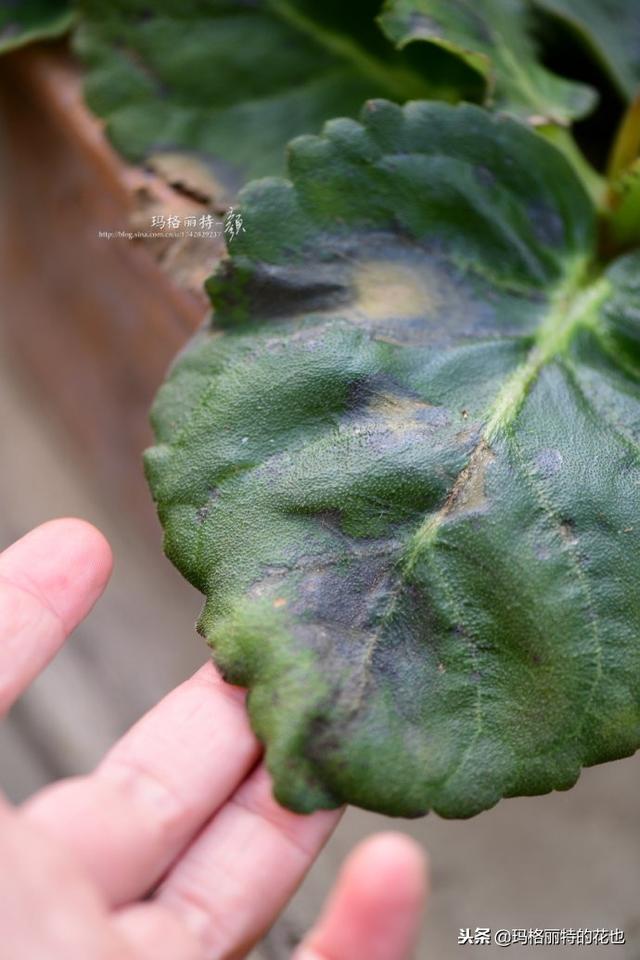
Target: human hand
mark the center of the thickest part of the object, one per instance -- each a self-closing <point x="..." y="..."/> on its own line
<point x="173" y="849"/>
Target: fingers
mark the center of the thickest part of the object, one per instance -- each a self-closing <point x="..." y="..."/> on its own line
<point x="47" y="908"/>
<point x="155" y="789"/>
<point x="374" y="912"/>
<point x="243" y="868"/>
<point x="156" y="934"/>
<point x="49" y="580"/>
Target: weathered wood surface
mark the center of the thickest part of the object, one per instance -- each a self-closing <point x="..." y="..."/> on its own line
<point x="71" y="430"/>
<point x="95" y="320"/>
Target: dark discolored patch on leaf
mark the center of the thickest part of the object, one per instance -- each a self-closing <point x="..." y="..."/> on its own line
<point x="424" y="465"/>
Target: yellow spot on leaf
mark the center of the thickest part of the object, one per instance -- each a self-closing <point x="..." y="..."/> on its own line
<point x="387" y="290"/>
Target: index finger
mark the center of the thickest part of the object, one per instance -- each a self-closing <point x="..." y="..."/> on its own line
<point x="153" y="792"/>
<point x="49" y="580"/>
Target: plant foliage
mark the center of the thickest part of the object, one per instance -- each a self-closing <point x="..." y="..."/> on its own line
<point x="402" y="460"/>
<point x="24" y="21"/>
<point x="403" y="466"/>
<point x="495" y="38"/>
<point x="610" y="29"/>
<point x="233" y="82"/>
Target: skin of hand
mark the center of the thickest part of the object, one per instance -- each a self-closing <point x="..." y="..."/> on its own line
<point x="173" y="848"/>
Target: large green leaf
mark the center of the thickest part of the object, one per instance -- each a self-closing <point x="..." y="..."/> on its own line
<point x="234" y="81"/>
<point x="23" y="21"/>
<point x="403" y="466"/>
<point x="493" y="37"/>
<point x="611" y="29"/>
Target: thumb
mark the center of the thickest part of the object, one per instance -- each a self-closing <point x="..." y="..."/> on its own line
<point x="375" y="909"/>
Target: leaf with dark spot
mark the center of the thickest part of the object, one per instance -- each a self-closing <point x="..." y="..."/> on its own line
<point x="424" y="551"/>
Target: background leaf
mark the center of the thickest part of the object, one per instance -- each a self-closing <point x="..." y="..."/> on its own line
<point x="403" y="466"/>
<point x="235" y="81"/>
<point x="611" y="30"/>
<point x="494" y="37"/>
<point x="24" y="21"/>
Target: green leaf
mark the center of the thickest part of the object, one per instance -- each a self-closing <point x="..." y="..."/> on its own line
<point x="611" y="30"/>
<point x="233" y="82"/>
<point x="403" y="466"/>
<point x="24" y="21"/>
<point x="593" y="182"/>
<point x="494" y="38"/>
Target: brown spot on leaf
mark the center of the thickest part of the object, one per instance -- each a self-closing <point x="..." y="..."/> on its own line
<point x="392" y="290"/>
<point x="567" y="532"/>
<point x="468" y="493"/>
<point x="400" y="413"/>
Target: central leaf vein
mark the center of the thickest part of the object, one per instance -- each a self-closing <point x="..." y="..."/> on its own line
<point x="573" y="306"/>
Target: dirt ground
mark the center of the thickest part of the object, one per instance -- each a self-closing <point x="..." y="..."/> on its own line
<point x="567" y="860"/>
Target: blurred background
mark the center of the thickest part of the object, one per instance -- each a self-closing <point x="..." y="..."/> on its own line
<point x="87" y="329"/>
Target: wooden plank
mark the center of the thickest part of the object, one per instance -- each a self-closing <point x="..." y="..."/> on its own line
<point x="94" y="321"/>
<point x="138" y="642"/>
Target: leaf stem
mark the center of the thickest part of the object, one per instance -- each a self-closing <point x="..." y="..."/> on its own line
<point x="572" y="306"/>
<point x="626" y="144"/>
